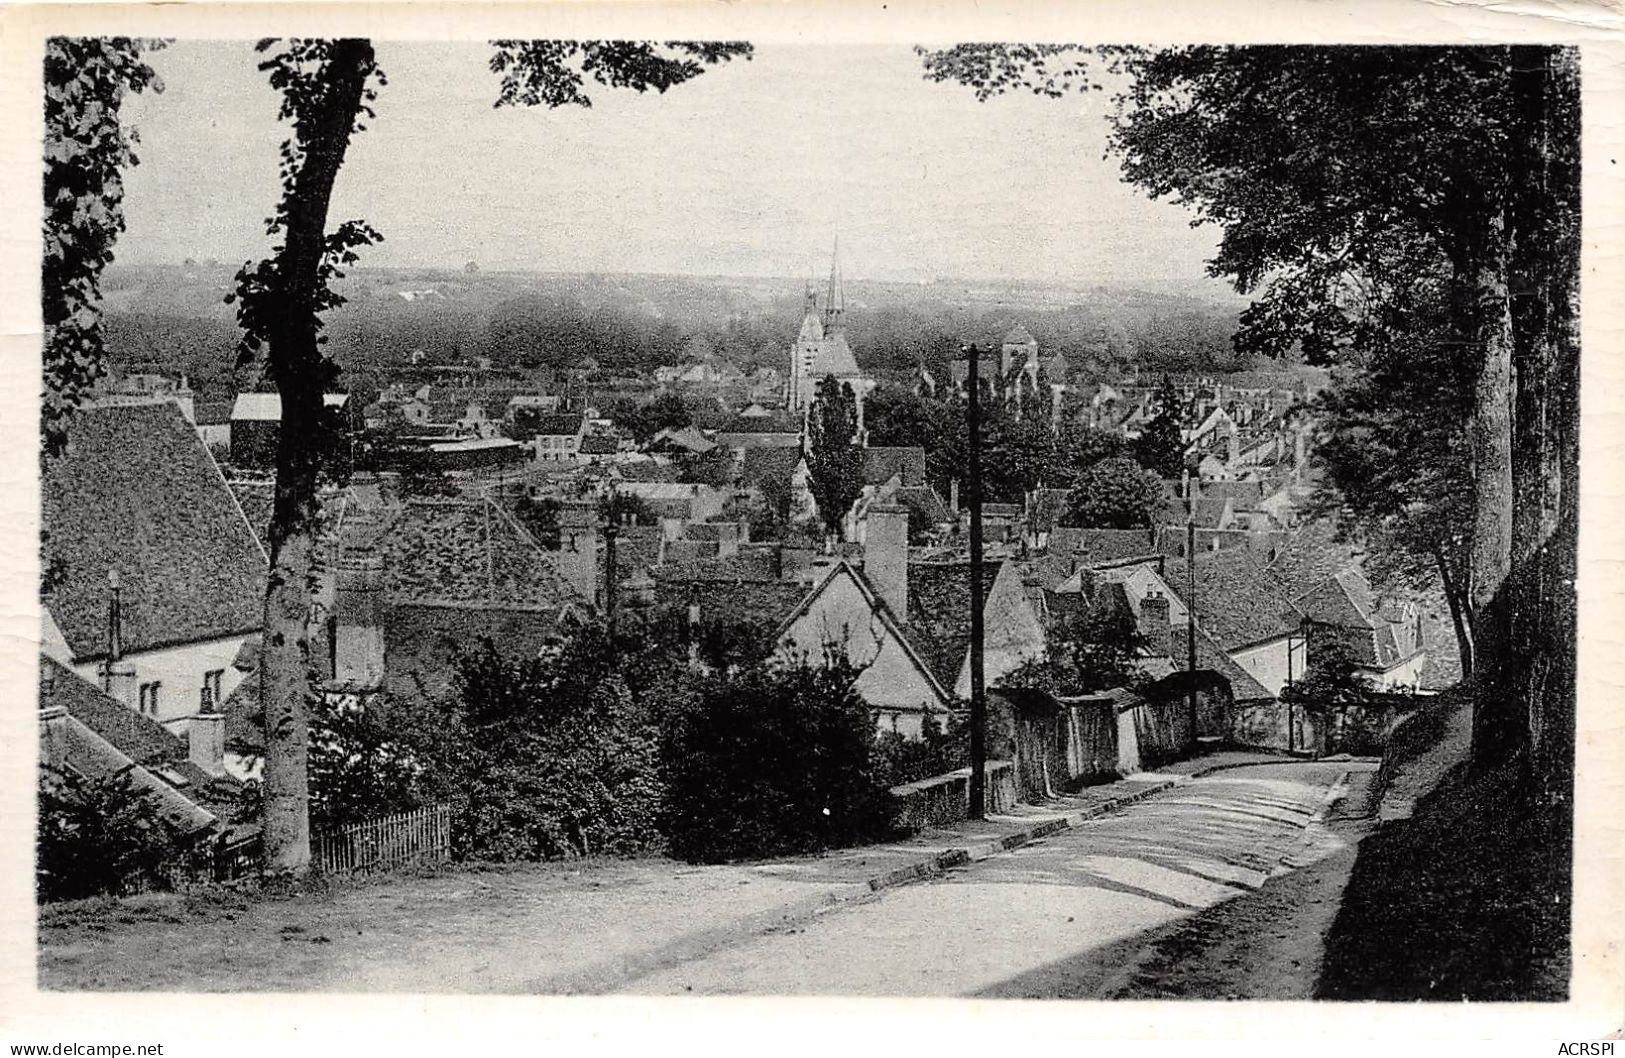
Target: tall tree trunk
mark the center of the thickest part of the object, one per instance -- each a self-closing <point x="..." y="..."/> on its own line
<point x="1460" y="614"/>
<point x="1490" y="434"/>
<point x="296" y="365"/>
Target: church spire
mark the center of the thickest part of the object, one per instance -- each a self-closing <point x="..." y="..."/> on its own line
<point x="835" y="300"/>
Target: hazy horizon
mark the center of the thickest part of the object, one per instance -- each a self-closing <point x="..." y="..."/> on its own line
<point x="751" y="171"/>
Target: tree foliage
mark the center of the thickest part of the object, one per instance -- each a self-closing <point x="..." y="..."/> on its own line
<point x="327" y="89"/>
<point x="1160" y="448"/>
<point x="774" y="759"/>
<point x="834" y="460"/>
<point x="1085" y="653"/>
<point x="1115" y="494"/>
<point x="1339" y="177"/>
<point x="99" y="836"/>
<point x="87" y="150"/>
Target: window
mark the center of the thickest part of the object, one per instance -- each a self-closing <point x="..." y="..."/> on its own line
<point x="149" y="697"/>
<point x="211" y="689"/>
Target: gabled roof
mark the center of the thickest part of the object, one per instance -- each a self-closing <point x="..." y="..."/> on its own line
<point x="466" y="552"/>
<point x="939" y="613"/>
<point x="1344" y="599"/>
<point x="556" y="424"/>
<point x="600" y="444"/>
<point x="105" y="736"/>
<point x="136" y="735"/>
<point x="1019" y="335"/>
<point x="686" y="439"/>
<point x="137" y="492"/>
<point x="893" y="623"/>
<point x="881" y="464"/>
<point x="831" y="356"/>
<point x="1100" y="547"/>
<point x="924" y="501"/>
<point x="761" y="465"/>
<point x="1210" y="655"/>
<point x="1237" y="599"/>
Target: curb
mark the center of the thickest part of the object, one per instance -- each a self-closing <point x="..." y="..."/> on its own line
<point x="958" y="856"/>
<point x="983" y="849"/>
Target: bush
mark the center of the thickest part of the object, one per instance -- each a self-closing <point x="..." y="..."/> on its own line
<point x="937" y="751"/>
<point x="547" y="758"/>
<point x="772" y="759"/>
<point x="100" y="836"/>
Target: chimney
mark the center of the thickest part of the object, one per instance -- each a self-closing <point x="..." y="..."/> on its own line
<point x="885" y="560"/>
<point x="118" y="675"/>
<point x="1232" y="440"/>
<point x="53" y="736"/>
<point x="358" y="602"/>
<point x="953" y="495"/>
<point x="1153" y="624"/>
<point x="578" y="547"/>
<point x="206" y="742"/>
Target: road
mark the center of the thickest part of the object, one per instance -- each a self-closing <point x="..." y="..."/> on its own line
<point x="983" y="928"/>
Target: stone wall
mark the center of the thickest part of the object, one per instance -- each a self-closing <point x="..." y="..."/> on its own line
<point x="945" y="799"/>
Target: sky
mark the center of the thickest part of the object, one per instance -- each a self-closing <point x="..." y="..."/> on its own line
<point x="753" y="168"/>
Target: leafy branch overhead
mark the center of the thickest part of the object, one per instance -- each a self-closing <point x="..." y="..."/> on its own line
<point x="553" y="73"/>
<point x="87" y="148"/>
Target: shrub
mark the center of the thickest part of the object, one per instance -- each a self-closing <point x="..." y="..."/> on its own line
<point x="100" y="836"/>
<point x="771" y="759"/>
<point x="937" y="751"/>
<point x="547" y="758"/>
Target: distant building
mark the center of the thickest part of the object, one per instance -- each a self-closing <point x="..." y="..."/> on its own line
<point x="821" y="349"/>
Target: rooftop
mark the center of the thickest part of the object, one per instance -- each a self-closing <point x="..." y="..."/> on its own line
<point x="137" y="492"/>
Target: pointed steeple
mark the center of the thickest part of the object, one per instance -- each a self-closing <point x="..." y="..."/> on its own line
<point x="835" y="300"/>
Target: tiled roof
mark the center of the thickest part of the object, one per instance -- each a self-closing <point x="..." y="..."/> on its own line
<point x="1237" y="600"/>
<point x="1246" y="495"/>
<point x="137" y="491"/>
<point x="880" y="465"/>
<point x="924" y="501"/>
<point x="760" y="604"/>
<point x="1344" y="600"/>
<point x="423" y="643"/>
<point x="776" y="422"/>
<point x="1309" y="556"/>
<point x="939" y="613"/>
<point x="1210" y="655"/>
<point x="466" y="551"/>
<point x="1098" y="547"/>
<point x="211" y="412"/>
<point x="759" y="466"/>
<point x="139" y="737"/>
<point x="600" y="444"/>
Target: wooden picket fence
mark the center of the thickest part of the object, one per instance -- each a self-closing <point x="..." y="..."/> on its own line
<point x="421" y="836"/>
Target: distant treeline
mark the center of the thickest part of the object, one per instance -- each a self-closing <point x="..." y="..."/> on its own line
<point x="628" y="325"/>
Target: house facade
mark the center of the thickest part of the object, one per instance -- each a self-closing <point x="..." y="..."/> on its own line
<point x="159" y="578"/>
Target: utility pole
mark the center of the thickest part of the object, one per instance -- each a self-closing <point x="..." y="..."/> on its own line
<point x="611" y="575"/>
<point x="978" y="693"/>
<point x="1190" y="599"/>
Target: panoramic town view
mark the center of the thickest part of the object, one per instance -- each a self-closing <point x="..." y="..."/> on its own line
<point x="1118" y="503"/>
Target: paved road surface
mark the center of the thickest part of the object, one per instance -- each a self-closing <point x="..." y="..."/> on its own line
<point x="978" y="926"/>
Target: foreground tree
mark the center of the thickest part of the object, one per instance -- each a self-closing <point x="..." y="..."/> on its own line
<point x="327" y="88"/>
<point x="87" y="150"/>
<point x="1334" y="174"/>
